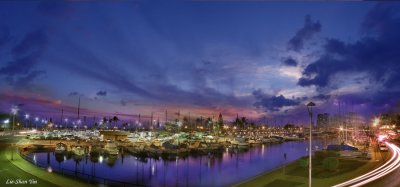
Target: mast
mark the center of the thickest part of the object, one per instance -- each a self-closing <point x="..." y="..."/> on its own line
<point x="79" y="106"/>
<point x="62" y="116"/>
<point x="151" y="120"/>
<point x="166" y="115"/>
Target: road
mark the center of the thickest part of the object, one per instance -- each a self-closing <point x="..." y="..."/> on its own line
<point x="390" y="180"/>
<point x="381" y="176"/>
<point x="9" y="173"/>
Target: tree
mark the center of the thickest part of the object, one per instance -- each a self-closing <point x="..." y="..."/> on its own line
<point x="115" y="119"/>
<point x="244" y="122"/>
<point x="252" y="125"/>
<point x="125" y="125"/>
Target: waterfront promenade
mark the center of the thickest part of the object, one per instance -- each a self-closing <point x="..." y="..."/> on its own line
<point x="20" y="171"/>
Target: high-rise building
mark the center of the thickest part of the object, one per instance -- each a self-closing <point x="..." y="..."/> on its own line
<point x="322" y="120"/>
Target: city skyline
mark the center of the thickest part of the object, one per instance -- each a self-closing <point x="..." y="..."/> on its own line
<point x="204" y="58"/>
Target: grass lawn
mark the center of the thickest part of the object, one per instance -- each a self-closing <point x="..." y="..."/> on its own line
<point x="318" y="171"/>
<point x="294" y="174"/>
<point x="282" y="183"/>
<point x="24" y="173"/>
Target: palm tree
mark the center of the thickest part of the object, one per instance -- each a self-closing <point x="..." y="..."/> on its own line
<point x="244" y="122"/>
<point x="104" y="122"/>
<point x="115" y="120"/>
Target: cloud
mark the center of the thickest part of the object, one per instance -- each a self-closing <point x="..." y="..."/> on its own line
<point x="296" y="43"/>
<point x="101" y="93"/>
<point x="290" y="62"/>
<point x="24" y="81"/>
<point x="33" y="43"/>
<point x="376" y="53"/>
<point x="272" y="103"/>
<point x="19" y="72"/>
<point x="322" y="97"/>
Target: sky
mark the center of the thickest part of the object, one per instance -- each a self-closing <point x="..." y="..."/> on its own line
<point x="253" y="59"/>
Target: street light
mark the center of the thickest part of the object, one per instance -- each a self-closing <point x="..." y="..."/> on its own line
<point x="14" y="111"/>
<point x="27" y="120"/>
<point x="36" y="121"/>
<point x="309" y="108"/>
<point x="376" y="122"/>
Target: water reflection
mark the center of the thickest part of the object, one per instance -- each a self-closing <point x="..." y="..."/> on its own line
<point x="230" y="167"/>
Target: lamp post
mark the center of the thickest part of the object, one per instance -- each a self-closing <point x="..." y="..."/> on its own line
<point x="26" y="120"/>
<point x="309" y="108"/>
<point x="36" y="121"/>
<point x="14" y="111"/>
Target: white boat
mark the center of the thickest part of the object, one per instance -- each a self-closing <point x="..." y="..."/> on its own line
<point x="60" y="148"/>
<point x="254" y="141"/>
<point x="240" y="142"/>
<point x="243" y="145"/>
<point x="78" y="150"/>
<point x="111" y="148"/>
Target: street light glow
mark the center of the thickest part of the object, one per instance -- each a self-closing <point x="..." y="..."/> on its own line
<point x="14" y="110"/>
<point x="376" y="122"/>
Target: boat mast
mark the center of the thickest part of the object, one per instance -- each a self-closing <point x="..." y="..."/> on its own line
<point x="79" y="107"/>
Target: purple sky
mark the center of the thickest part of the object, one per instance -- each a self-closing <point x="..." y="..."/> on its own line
<point x="256" y="59"/>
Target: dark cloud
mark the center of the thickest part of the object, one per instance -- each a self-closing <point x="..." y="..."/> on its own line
<point x="19" y="72"/>
<point x="375" y="53"/>
<point x="310" y="28"/>
<point x="102" y="72"/>
<point x="101" y="93"/>
<point x="24" y="81"/>
<point x="272" y="103"/>
<point x="322" y="97"/>
<point x="290" y="62"/>
<point x="33" y="43"/>
<point x="160" y="90"/>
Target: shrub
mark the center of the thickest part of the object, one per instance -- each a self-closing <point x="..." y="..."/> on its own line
<point x="330" y="163"/>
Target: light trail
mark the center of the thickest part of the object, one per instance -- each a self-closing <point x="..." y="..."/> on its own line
<point x="388" y="167"/>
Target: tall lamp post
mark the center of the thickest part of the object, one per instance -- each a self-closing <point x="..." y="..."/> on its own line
<point x="14" y="111"/>
<point x="309" y="108"/>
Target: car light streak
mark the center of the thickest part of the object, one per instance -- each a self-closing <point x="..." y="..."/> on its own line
<point x="388" y="167"/>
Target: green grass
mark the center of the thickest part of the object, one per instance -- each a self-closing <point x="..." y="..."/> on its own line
<point x="293" y="174"/>
<point x="282" y="183"/>
<point x="18" y="168"/>
<point x="318" y="171"/>
<point x="9" y="172"/>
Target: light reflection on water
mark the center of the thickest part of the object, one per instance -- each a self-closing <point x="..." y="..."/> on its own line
<point x="224" y="170"/>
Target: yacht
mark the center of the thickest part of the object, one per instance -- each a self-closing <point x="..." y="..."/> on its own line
<point x="111" y="148"/>
<point x="240" y="142"/>
<point x="60" y="148"/>
<point x="78" y="150"/>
